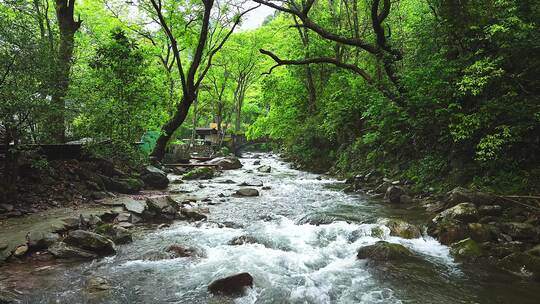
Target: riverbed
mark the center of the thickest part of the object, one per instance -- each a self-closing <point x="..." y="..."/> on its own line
<point x="307" y="232"/>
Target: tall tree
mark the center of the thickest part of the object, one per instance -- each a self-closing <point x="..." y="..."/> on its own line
<point x="211" y="38"/>
<point x="67" y="26"/>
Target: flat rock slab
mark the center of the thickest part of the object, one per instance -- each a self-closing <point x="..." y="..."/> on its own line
<point x="134" y="206"/>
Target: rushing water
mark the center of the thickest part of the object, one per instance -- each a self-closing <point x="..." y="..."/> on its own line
<point x="291" y="263"/>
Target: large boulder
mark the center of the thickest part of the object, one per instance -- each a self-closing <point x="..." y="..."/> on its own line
<point x="154" y="178"/>
<point x="90" y="241"/>
<point x="401" y="228"/>
<point x="123" y="185"/>
<point x="199" y="173"/>
<point x="384" y="251"/>
<point x="192" y="214"/>
<point x="247" y="192"/>
<point x="227" y="163"/>
<point x="234" y="285"/>
<point x="62" y="250"/>
<point x="38" y="240"/>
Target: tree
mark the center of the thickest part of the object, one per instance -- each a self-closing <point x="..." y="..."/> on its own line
<point x="67" y="26"/>
<point x="381" y="49"/>
<point x="211" y="38"/>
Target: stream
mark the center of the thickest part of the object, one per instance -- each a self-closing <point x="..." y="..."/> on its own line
<point x="293" y="262"/>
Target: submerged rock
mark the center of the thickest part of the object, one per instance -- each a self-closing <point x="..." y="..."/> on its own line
<point x="522" y="263"/>
<point x="384" y="251"/>
<point x="234" y="285"/>
<point x="97" y="284"/>
<point x="247" y="192"/>
<point x="20" y="251"/>
<point x="90" y="241"/>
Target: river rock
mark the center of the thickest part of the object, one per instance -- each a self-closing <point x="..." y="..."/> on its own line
<point x="154" y="178"/>
<point x="123" y="185"/>
<point x="177" y="251"/>
<point x="20" y="250"/>
<point x="199" y="173"/>
<point x="401" y="228"/>
<point x="118" y="234"/>
<point x="257" y="162"/>
<point x="234" y="285"/>
<point x="137" y="207"/>
<point x="251" y="184"/>
<point x="97" y="284"/>
<point x="461" y="195"/>
<point x="192" y="214"/>
<point x="38" y="240"/>
<point x="247" y="192"/>
<point x="384" y="251"/>
<point x="227" y="163"/>
<point x="108" y="216"/>
<point x="490" y="210"/>
<point x="64" y="251"/>
<point x="521" y="231"/>
<point x="90" y="241"/>
<point x="241" y="240"/>
<point x="316" y="219"/>
<point x="462" y="213"/>
<point x="264" y="169"/>
<point x="466" y="249"/>
<point x="394" y="193"/>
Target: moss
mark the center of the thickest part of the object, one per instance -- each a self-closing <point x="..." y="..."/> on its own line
<point x="200" y="173"/>
<point x="466" y="249"/>
<point x="105" y="229"/>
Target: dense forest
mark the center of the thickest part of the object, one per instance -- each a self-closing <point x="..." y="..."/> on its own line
<point x="438" y="92"/>
<point x="270" y="151"/>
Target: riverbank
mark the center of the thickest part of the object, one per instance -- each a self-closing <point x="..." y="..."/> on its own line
<point x="298" y="237"/>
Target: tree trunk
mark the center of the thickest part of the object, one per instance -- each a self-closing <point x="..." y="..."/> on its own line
<point x="68" y="27"/>
<point x="168" y="129"/>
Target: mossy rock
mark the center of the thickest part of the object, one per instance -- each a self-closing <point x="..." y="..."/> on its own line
<point x="466" y="249"/>
<point x="384" y="251"/>
<point x="401" y="228"/>
<point x="105" y="229"/>
<point x="199" y="173"/>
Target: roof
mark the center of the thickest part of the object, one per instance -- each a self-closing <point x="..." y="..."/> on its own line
<point x="205" y="131"/>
